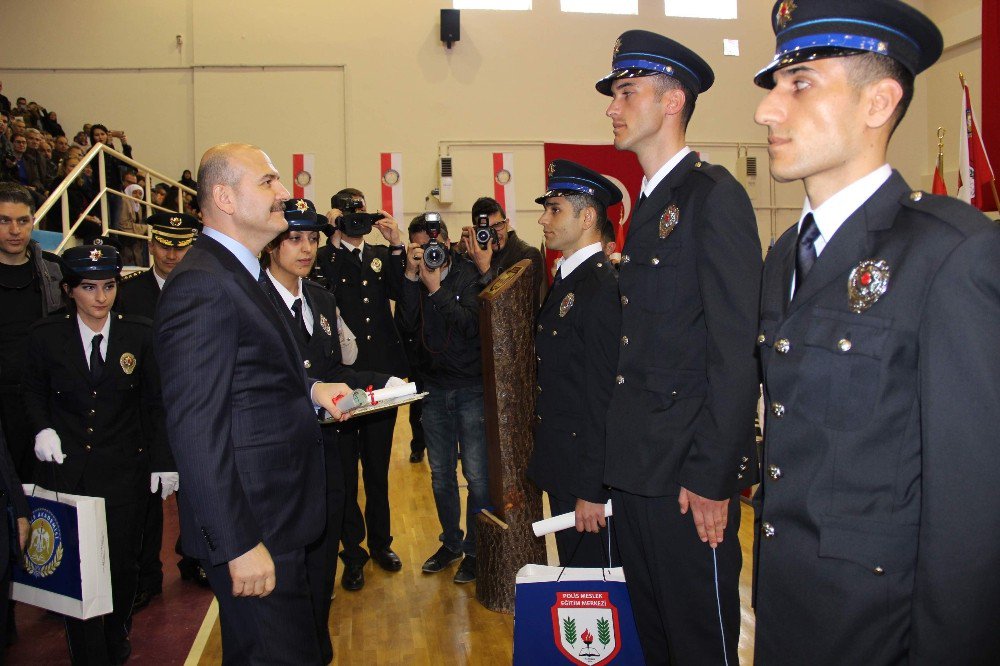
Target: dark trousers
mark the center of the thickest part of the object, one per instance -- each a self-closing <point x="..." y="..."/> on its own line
<point x="370" y="441"/>
<point x="100" y="640"/>
<point x="685" y="596"/>
<point x="321" y="557"/>
<point x="150" y="566"/>
<point x="582" y="549"/>
<point x="276" y="629"/>
<point x="17" y="432"/>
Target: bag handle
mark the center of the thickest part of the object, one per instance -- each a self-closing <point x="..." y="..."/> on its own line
<point x="606" y="553"/>
<point x="52" y="466"/>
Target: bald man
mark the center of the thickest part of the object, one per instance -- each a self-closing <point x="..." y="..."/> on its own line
<point x="242" y="417"/>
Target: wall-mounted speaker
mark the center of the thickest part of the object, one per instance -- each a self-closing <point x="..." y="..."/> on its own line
<point x="450" y="30"/>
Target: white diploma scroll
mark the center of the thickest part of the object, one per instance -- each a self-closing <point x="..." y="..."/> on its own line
<point x="563" y="521"/>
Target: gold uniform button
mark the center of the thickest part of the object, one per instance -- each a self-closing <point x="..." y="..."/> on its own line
<point x="655" y="261"/>
<point x="782" y="346"/>
<point x="93" y="394"/>
<point x="777" y="409"/>
<point x="624" y="301"/>
<point x="539" y="328"/>
<point x="368" y="320"/>
<point x="878" y="571"/>
<point x="625" y="341"/>
<point x="774" y="472"/>
<point x="697" y="165"/>
<point x="90" y="430"/>
<point x="364" y="300"/>
<point x="538" y="417"/>
<point x="364" y="283"/>
<point x="620" y="380"/>
<point x="916" y="196"/>
<point x="307" y="364"/>
<point x="539" y="388"/>
<point x="554" y="333"/>
<point x="626" y="259"/>
<point x="767" y="529"/>
<point x="93" y="411"/>
<point x="844" y="345"/>
<point x="87" y="446"/>
<point x="761" y="339"/>
<point x="368" y="337"/>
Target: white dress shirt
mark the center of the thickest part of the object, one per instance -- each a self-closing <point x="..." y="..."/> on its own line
<point x="578" y="257"/>
<point x="87" y="337"/>
<point x="649" y="185"/>
<point x="289" y="299"/>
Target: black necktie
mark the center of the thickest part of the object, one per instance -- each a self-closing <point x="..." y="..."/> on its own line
<point x="297" y="310"/>
<point x="559" y="278"/>
<point x="96" y="360"/>
<point x="805" y="251"/>
<point x="642" y="200"/>
<point x="357" y="254"/>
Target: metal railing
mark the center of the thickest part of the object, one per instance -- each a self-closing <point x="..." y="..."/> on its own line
<point x="60" y="195"/>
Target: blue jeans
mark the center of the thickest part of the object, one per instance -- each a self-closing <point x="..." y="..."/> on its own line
<point x="450" y="417"/>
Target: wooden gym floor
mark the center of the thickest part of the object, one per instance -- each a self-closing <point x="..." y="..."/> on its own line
<point x="414" y="618"/>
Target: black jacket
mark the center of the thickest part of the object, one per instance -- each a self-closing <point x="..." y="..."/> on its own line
<point x="112" y="431"/>
<point x="138" y="294"/>
<point x="576" y="344"/>
<point x="446" y="324"/>
<point x="364" y="290"/>
<point x="686" y="390"/>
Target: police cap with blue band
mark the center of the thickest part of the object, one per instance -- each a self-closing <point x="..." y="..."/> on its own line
<point x="98" y="260"/>
<point x="568" y="178"/>
<point x="172" y="229"/>
<point x="816" y="29"/>
<point x="643" y="53"/>
<point x="301" y="216"/>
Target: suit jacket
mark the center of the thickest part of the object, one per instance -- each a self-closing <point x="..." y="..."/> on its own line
<point x="12" y="502"/>
<point x="112" y="430"/>
<point x="363" y="290"/>
<point x="138" y="294"/>
<point x="240" y="420"/>
<point x="682" y="408"/>
<point x="880" y="443"/>
<point x="576" y="344"/>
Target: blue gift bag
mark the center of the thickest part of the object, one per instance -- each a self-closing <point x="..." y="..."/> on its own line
<point x="573" y="616"/>
<point x="65" y="567"/>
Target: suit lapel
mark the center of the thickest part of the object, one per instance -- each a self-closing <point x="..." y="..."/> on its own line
<point x="78" y="358"/>
<point x="652" y="209"/>
<point x="117" y="347"/>
<point x="849" y="244"/>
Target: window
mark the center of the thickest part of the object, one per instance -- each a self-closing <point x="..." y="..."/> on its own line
<point x="492" y="4"/>
<point x="600" y="6"/>
<point x="714" y="9"/>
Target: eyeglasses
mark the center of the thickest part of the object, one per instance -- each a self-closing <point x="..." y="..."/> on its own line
<point x="497" y="225"/>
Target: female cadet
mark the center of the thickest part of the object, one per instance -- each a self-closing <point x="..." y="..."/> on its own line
<point x="92" y="393"/>
<point x="312" y="314"/>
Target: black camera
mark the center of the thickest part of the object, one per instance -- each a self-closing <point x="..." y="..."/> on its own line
<point x="485" y="234"/>
<point x="435" y="254"/>
<point x="353" y="222"/>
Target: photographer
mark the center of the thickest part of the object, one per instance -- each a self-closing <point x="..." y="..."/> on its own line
<point x="503" y="249"/>
<point x="365" y="278"/>
<point x="440" y="305"/>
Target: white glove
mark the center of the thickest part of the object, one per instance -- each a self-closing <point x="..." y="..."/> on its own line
<point x="395" y="381"/>
<point x="348" y="342"/>
<point x="48" y="447"/>
<point x="169" y="482"/>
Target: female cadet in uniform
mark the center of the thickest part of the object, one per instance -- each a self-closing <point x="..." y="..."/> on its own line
<point x="312" y="315"/>
<point x="92" y="393"/>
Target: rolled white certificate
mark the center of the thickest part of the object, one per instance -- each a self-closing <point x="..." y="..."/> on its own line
<point x="360" y="398"/>
<point x="563" y="521"/>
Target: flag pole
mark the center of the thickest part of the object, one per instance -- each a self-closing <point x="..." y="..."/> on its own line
<point x="940" y="136"/>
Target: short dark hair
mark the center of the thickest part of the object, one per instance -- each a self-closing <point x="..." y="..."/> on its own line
<point x="867" y="68"/>
<point x="581" y="201"/>
<point x="663" y="83"/>
<point x="16" y="193"/>
<point x="419" y="224"/>
<point x="487" y="206"/>
<point x="347" y="193"/>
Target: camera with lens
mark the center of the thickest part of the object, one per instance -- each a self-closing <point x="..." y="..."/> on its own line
<point x="486" y="234"/>
<point x="435" y="254"/>
<point x="353" y="222"/>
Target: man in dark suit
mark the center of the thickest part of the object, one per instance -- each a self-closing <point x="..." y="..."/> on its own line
<point x="172" y="236"/>
<point x="680" y="427"/>
<point x="576" y="342"/>
<point x="365" y="278"/>
<point x="241" y="416"/>
<point x="878" y="341"/>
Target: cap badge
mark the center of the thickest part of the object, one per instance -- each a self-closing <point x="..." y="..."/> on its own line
<point x="96" y="254"/>
<point x="128" y="363"/>
<point x="566" y="304"/>
<point x="377" y="265"/>
<point x="324" y="323"/>
<point x="552" y="169"/>
<point x="98" y="241"/>
<point x="617" y="49"/>
<point x="302" y="205"/>
<point x="176" y="221"/>
<point x="784" y="15"/>
<point x="866" y="284"/>
<point x="668" y="221"/>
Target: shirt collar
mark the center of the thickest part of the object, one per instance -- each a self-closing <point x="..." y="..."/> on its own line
<point x="577" y="258"/>
<point x="350" y="248"/>
<point x="835" y="210"/>
<point x="159" y="281"/>
<point x="239" y="250"/>
<point x="86" y="334"/>
<point x="649" y="185"/>
<point x="286" y="295"/>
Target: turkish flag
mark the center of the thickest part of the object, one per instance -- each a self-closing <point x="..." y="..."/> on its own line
<point x="939" y="187"/>
<point x="975" y="175"/>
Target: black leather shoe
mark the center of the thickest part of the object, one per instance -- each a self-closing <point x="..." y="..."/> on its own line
<point x="387" y="559"/>
<point x="142" y="599"/>
<point x="120" y="653"/>
<point x="416" y="456"/>
<point x="191" y="569"/>
<point x="353" y="578"/>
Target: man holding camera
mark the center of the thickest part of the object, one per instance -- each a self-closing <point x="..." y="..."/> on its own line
<point x="439" y="303"/>
<point x="365" y="278"/>
<point x="494" y="247"/>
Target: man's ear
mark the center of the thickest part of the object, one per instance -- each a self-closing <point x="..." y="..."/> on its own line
<point x="883" y="99"/>
<point x="673" y="101"/>
<point x="222" y="196"/>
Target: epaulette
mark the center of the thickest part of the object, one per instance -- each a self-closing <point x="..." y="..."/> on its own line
<point x="51" y="319"/>
<point x="133" y="319"/>
<point x="953" y="212"/>
<point x="133" y="275"/>
<point x="713" y="171"/>
<point x="313" y="283"/>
